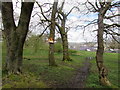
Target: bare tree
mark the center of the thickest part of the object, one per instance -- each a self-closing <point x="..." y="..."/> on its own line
<point x="61" y="18"/>
<point x="102" y="7"/>
<point x="63" y="32"/>
<point x="51" y="26"/>
<point x="15" y="35"/>
<point x="52" y="35"/>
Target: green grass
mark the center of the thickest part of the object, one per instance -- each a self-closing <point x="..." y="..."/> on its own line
<point x="40" y="70"/>
<point x="25" y="80"/>
<point x="37" y="72"/>
<point x="51" y="75"/>
<point x="0" y="63"/>
<point x="111" y="62"/>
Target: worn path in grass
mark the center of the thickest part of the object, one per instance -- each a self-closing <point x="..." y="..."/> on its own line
<point x="78" y="81"/>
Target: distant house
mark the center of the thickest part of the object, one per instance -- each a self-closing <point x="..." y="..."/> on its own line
<point x="113" y="50"/>
<point x="88" y="50"/>
<point x="91" y="46"/>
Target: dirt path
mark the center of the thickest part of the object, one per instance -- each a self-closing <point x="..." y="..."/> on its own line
<point x="78" y="81"/>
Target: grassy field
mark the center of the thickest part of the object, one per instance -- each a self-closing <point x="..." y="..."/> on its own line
<point x="111" y="62"/>
<point x="38" y="74"/>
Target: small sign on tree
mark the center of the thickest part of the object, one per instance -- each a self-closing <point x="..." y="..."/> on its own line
<point x="50" y="40"/>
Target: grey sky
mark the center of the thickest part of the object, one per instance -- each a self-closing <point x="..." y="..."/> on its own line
<point x="74" y="19"/>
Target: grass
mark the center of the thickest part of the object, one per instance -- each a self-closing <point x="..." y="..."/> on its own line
<point x="111" y="62"/>
<point x="38" y="70"/>
<point x="38" y="74"/>
<point x="0" y="64"/>
<point x="51" y="75"/>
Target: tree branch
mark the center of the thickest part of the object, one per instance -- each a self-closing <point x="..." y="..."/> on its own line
<point x="111" y="16"/>
<point x="71" y="10"/>
<point x="96" y="4"/>
<point x="112" y="32"/>
<point x="44" y="30"/>
<point x="93" y="6"/>
<point x="42" y="12"/>
<point x="61" y="8"/>
<point x="112" y="25"/>
<point x="111" y="35"/>
<point x="7" y="15"/>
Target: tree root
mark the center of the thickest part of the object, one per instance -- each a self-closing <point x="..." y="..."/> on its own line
<point x="104" y="81"/>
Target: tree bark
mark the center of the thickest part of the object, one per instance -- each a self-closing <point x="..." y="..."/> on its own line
<point x="65" y="48"/>
<point x="52" y="35"/>
<point x="15" y="35"/>
<point x="64" y="40"/>
<point x="103" y="72"/>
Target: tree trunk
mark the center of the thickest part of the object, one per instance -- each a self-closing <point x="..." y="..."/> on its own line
<point x="15" y="36"/>
<point x="65" y="48"/>
<point x="64" y="40"/>
<point x="52" y="35"/>
<point x="12" y="42"/>
<point x="63" y="34"/>
<point x="99" y="55"/>
<point x="51" y="46"/>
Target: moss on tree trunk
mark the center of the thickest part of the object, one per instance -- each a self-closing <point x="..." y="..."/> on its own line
<point x="52" y="35"/>
<point x="103" y="72"/>
<point x="15" y="35"/>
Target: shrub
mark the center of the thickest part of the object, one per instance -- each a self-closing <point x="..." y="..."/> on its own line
<point x="58" y="48"/>
<point x="36" y="43"/>
<point x="72" y="51"/>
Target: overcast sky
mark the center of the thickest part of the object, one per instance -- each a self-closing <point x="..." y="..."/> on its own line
<point x="74" y="19"/>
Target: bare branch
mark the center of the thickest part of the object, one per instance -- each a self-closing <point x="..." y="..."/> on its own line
<point x="42" y="12"/>
<point x="112" y="32"/>
<point x="97" y="5"/>
<point x="115" y="39"/>
<point x="44" y="30"/>
<point x="71" y="10"/>
<point x="112" y="16"/>
<point x="59" y="27"/>
<point x="61" y="8"/>
<point x="59" y="16"/>
<point x="106" y="7"/>
<point x="113" y="36"/>
<point x="93" y="6"/>
<point x="102" y="3"/>
<point x="117" y="4"/>
<point x="112" y="25"/>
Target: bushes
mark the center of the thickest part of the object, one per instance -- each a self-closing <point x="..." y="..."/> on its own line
<point x="72" y="51"/>
<point x="36" y="42"/>
<point x="58" y="47"/>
